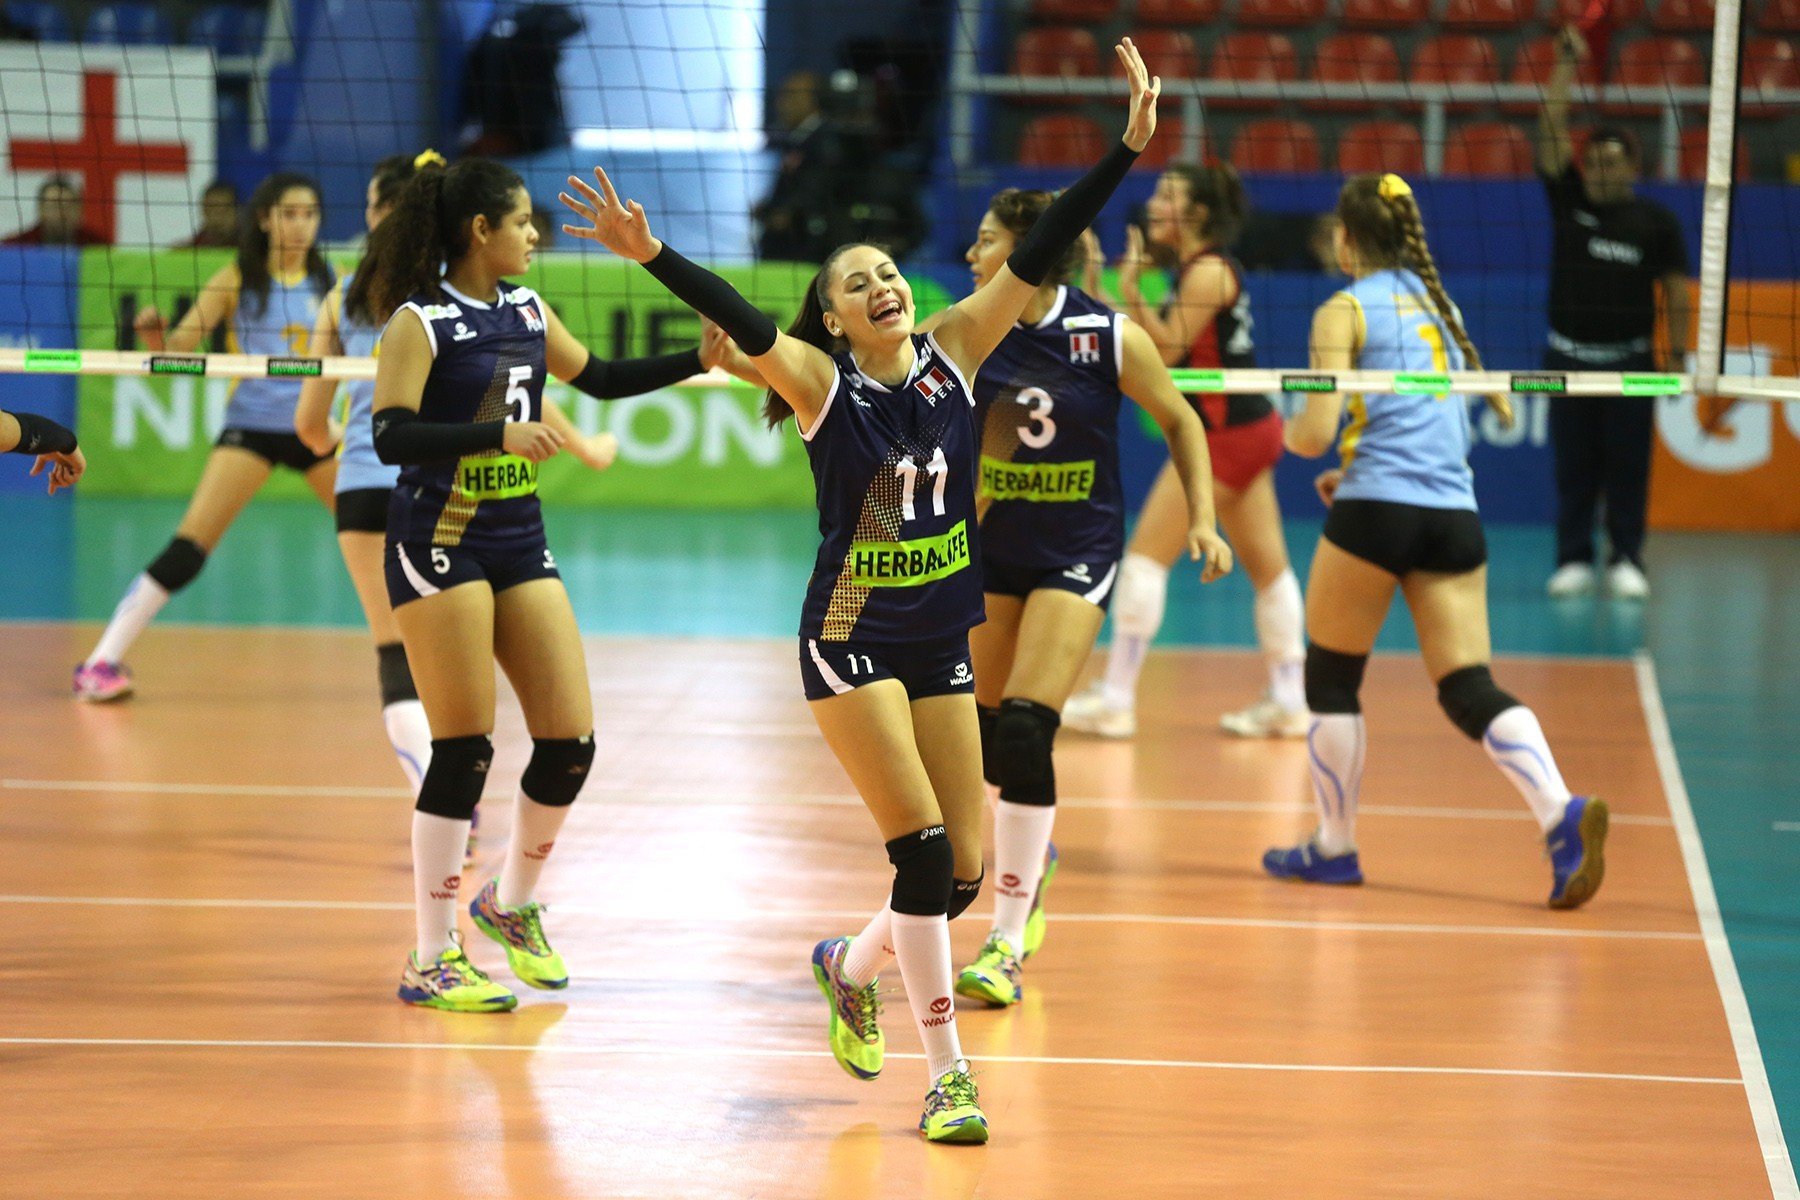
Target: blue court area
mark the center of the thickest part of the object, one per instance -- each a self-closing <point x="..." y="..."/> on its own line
<point x="1723" y="631"/>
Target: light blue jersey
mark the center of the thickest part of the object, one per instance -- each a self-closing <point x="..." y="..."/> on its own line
<point x="1405" y="449"/>
<point x="281" y="327"/>
<point x="358" y="467"/>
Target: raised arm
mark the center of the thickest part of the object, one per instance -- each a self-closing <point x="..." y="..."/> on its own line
<point x="1336" y="338"/>
<point x="214" y="305"/>
<point x="972" y="327"/>
<point x="614" y="379"/>
<point x="1555" y="148"/>
<point x="803" y="374"/>
<point x="312" y="415"/>
<point x="1146" y="380"/>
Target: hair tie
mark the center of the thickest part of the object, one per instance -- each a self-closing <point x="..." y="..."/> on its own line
<point x="1392" y="187"/>
<point x="428" y="158"/>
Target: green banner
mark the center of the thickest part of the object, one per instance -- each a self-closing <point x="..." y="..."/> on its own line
<point x="678" y="448"/>
<point x="909" y="564"/>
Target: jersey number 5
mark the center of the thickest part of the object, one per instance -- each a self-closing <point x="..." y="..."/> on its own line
<point x="518" y="400"/>
<point x="908" y="471"/>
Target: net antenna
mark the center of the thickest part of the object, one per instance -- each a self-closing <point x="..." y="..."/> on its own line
<point x="1715" y="224"/>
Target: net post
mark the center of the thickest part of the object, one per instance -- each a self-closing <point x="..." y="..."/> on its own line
<point x="1715" y="223"/>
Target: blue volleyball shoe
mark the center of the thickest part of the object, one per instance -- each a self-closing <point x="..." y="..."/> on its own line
<point x="1305" y="863"/>
<point x="1577" y="846"/>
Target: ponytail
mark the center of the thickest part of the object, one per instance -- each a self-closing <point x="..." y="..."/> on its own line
<point x="808" y="327"/>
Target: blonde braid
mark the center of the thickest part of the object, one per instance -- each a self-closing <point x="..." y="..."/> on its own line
<point x="1418" y="255"/>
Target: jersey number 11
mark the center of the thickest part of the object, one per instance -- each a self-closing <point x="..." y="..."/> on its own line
<point x="909" y="480"/>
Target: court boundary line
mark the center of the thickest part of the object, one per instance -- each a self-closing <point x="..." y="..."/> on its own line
<point x="754" y="1052"/>
<point x="1763" y="1114"/>
<point x="831" y="914"/>
<point x="643" y="797"/>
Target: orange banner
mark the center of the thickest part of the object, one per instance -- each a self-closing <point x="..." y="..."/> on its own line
<point x="1735" y="465"/>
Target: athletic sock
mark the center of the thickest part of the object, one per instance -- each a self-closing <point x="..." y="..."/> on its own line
<point x="534" y="831"/>
<point x="1280" y="634"/>
<point x="1021" y="839"/>
<point x="922" y="945"/>
<point x="870" y="951"/>
<point x="1335" y="746"/>
<point x="1515" y="742"/>
<point x="1137" y="615"/>
<point x="437" y="846"/>
<point x="140" y="604"/>
<point x="410" y="735"/>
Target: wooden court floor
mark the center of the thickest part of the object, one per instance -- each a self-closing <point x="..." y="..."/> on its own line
<point x="208" y="903"/>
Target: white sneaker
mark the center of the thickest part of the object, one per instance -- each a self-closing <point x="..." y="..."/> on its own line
<point x="1571" y="579"/>
<point x="1625" y="582"/>
<point x="1090" y="712"/>
<point x="1266" y="719"/>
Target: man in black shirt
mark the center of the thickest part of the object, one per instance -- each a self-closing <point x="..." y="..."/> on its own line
<point x="1611" y="249"/>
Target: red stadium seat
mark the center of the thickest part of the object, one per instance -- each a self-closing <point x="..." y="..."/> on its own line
<point x="1169" y="53"/>
<point x="1532" y="66"/>
<point x="1770" y="64"/>
<point x="1462" y="60"/>
<point x="1625" y="13"/>
<point x="1254" y="58"/>
<point x="1488" y="14"/>
<point x="1165" y="147"/>
<point x="1276" y="145"/>
<point x="1693" y="156"/>
<point x="1659" y="63"/>
<point x="1349" y="58"/>
<point x="1490" y="149"/>
<point x="1779" y="16"/>
<point x="1073" y="10"/>
<point x="1063" y="140"/>
<point x="1377" y="146"/>
<point x="1384" y="14"/>
<point x="1055" y="52"/>
<point x="1280" y="13"/>
<point x="1682" y="16"/>
<point x="1177" y="12"/>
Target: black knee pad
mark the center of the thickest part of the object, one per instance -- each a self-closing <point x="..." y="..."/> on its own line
<point x="557" y="770"/>
<point x="1333" y="680"/>
<point x="458" y="771"/>
<point x="987" y="716"/>
<point x="963" y="893"/>
<point x="1024" y="738"/>
<point x="177" y="565"/>
<point x="395" y="674"/>
<point x="1472" y="699"/>
<point x="924" y="872"/>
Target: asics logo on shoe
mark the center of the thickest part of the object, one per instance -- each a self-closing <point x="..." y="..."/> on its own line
<point x="541" y="852"/>
<point x="941" y="1004"/>
<point x="934" y="831"/>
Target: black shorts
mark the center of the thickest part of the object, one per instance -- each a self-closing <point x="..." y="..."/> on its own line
<point x="939" y="667"/>
<point x="419" y="569"/>
<point x="1093" y="582"/>
<point x="1403" y="538"/>
<point x="276" y="449"/>
<point x="363" y="510"/>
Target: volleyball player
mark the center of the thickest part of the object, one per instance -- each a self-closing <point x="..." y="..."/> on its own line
<point x="1194" y="216"/>
<point x="886" y="414"/>
<point x="1403" y="517"/>
<point x="268" y="298"/>
<point x="50" y="443"/>
<point x="458" y="405"/>
<point x="1053" y="529"/>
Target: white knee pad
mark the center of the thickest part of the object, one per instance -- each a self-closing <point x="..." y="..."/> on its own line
<point x="1143" y="590"/>
<point x="1281" y="619"/>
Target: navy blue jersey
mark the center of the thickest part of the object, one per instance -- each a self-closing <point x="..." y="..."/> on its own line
<point x="894" y="472"/>
<point x="487" y="365"/>
<point x="1048" y="400"/>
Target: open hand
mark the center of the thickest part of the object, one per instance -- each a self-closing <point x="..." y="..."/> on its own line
<point x="620" y="227"/>
<point x="1131" y="267"/>
<point x="1145" y="89"/>
<point x="150" y="327"/>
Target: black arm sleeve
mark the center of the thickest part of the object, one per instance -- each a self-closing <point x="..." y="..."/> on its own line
<point x="1072" y="212"/>
<point x="711" y="296"/>
<point x="41" y="435"/>
<point x="402" y="438"/>
<point x="623" y="377"/>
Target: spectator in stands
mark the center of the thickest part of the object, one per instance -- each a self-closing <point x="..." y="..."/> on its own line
<point x="1611" y="248"/>
<point x="797" y="216"/>
<point x="218" y="216"/>
<point x="59" y="218"/>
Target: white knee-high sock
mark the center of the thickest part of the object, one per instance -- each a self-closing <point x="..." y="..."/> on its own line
<point x="1335" y="745"/>
<point x="1021" y="839"/>
<point x="437" y="845"/>
<point x="1280" y="634"/>
<point x="534" y="831"/>
<point x="140" y="604"/>
<point x="1137" y="612"/>
<point x="871" y="950"/>
<point x="922" y="944"/>
<point x="1515" y="742"/>
<point x="410" y="734"/>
